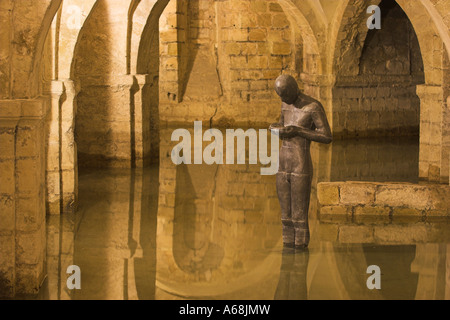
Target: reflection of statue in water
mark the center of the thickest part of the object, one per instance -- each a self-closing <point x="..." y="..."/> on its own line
<point x="302" y="120"/>
<point x="292" y="284"/>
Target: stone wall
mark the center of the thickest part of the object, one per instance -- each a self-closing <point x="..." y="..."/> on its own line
<point x="22" y="195"/>
<point x="232" y="51"/>
<point x="374" y="110"/>
<point x="359" y="199"/>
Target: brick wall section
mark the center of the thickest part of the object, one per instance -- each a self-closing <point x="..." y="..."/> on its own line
<point x="256" y="39"/>
<point x="387" y="200"/>
<point x="376" y="110"/>
<point x="232" y="52"/>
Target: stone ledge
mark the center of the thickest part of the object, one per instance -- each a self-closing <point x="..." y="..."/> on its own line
<point x="383" y="199"/>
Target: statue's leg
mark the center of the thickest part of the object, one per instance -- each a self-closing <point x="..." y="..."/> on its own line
<point x="284" y="196"/>
<point x="301" y="191"/>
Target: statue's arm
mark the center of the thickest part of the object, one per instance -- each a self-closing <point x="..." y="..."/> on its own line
<point x="322" y="134"/>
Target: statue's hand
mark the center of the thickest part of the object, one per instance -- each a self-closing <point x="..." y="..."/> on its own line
<point x="291" y="132"/>
<point x="276" y="126"/>
<point x="288" y="132"/>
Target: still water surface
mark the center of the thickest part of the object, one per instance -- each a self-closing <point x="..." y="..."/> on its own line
<point x="214" y="232"/>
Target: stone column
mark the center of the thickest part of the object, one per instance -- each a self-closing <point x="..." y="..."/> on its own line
<point x="69" y="163"/>
<point x="446" y="136"/>
<point x="53" y="149"/>
<point x="7" y="199"/>
<point x="22" y="192"/>
<point x="61" y="171"/>
<point x="431" y="162"/>
<point x="139" y="123"/>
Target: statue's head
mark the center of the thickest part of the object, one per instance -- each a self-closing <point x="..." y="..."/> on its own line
<point x="287" y="88"/>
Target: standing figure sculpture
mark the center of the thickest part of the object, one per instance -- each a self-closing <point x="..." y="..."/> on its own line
<point x="302" y="120"/>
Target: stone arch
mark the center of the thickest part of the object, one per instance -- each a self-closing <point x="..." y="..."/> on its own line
<point x="141" y="13"/>
<point x="144" y="62"/>
<point x="433" y="38"/>
<point x="347" y="40"/>
<point x="34" y="74"/>
<point x="347" y="36"/>
<point x="311" y="28"/>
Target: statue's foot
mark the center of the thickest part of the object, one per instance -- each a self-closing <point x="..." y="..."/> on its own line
<point x="289" y="245"/>
<point x="302" y="236"/>
<point x="288" y="234"/>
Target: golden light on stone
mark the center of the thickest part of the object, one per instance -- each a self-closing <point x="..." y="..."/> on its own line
<point x="91" y="92"/>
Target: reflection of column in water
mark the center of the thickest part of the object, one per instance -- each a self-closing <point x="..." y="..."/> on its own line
<point x="447" y="272"/>
<point x="143" y="267"/>
<point x="292" y="284"/>
<point x="60" y="252"/>
<point x="430" y="265"/>
<point x="193" y="249"/>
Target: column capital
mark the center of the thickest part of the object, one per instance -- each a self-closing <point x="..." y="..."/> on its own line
<point x="54" y="87"/>
<point x="108" y="81"/>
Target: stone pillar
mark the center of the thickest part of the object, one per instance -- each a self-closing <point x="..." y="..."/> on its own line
<point x="104" y="124"/>
<point x="60" y="254"/>
<point x="22" y="194"/>
<point x="7" y="204"/>
<point x="446" y="137"/>
<point x="431" y="162"/>
<point x="69" y="161"/>
<point x="61" y="155"/>
<point x="139" y="121"/>
<point x="53" y="149"/>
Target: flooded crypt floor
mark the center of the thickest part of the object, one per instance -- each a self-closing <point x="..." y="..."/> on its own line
<point x="214" y="232"/>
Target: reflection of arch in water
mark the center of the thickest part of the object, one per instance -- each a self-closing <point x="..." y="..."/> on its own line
<point x="143" y="232"/>
<point x="193" y="249"/>
<point x="237" y="288"/>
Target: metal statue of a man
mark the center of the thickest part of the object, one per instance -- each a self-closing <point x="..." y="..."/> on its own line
<point x="303" y="120"/>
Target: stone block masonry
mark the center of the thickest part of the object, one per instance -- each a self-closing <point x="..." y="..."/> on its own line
<point x="22" y="195"/>
<point x="230" y="53"/>
<point x="388" y="200"/>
